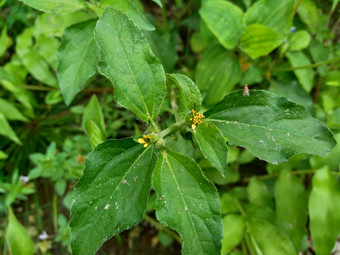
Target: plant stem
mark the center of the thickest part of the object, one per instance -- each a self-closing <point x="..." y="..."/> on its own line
<point x="172" y="128"/>
<point x="297" y="172"/>
<point x="164" y="15"/>
<point x="162" y="228"/>
<point x="55" y="212"/>
<point x="306" y="67"/>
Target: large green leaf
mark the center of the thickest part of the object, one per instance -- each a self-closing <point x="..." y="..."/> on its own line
<point x="305" y="76"/>
<point x="217" y="73"/>
<point x="112" y="194"/>
<point x="276" y="14"/>
<point x="224" y="19"/>
<point x="10" y="111"/>
<point x="291" y="207"/>
<point x="324" y="208"/>
<point x="188" y="203"/>
<point x="269" y="126"/>
<point x="17" y="237"/>
<point x="130" y="10"/>
<point x="213" y="146"/>
<point x="189" y="96"/>
<point x="77" y="56"/>
<point x="259" y="40"/>
<point x="233" y="232"/>
<point x="269" y="239"/>
<point x="299" y="40"/>
<point x="93" y="122"/>
<point x="57" y="6"/>
<point x="6" y="130"/>
<point x="136" y="74"/>
<point x="259" y="194"/>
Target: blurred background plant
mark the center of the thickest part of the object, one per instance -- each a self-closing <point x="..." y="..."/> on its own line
<point x="44" y="142"/>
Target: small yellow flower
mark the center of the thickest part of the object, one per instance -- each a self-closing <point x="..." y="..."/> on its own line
<point x="145" y="140"/>
<point x="196" y="119"/>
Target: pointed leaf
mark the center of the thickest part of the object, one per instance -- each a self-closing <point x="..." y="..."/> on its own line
<point x="17" y="237"/>
<point x="276" y="14"/>
<point x="291" y="207"/>
<point x="4" y="43"/>
<point x="57" y="6"/>
<point x="190" y="96"/>
<point x="77" y="56"/>
<point x="112" y="194"/>
<point x="324" y="208"/>
<point x="224" y="19"/>
<point x="269" y="126"/>
<point x="126" y="59"/>
<point x="259" y="40"/>
<point x="217" y="73"/>
<point x="10" y="111"/>
<point x="6" y="130"/>
<point x="130" y="10"/>
<point x="213" y="146"/>
<point x="188" y="203"/>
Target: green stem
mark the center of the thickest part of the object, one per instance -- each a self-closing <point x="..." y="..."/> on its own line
<point x="162" y="228"/>
<point x="38" y="88"/>
<point x="39" y="219"/>
<point x="306" y="67"/>
<point x="297" y="172"/>
<point x="164" y="15"/>
<point x="55" y="212"/>
<point x="172" y="128"/>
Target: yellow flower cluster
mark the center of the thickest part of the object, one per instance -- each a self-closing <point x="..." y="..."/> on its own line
<point x="196" y="119"/>
<point x="145" y="140"/>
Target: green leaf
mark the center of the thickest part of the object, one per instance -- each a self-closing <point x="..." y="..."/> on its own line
<point x="213" y="146"/>
<point x="3" y="41"/>
<point x="321" y="52"/>
<point x="254" y="74"/>
<point x="219" y="15"/>
<point x="324" y="208"/>
<point x="259" y="194"/>
<point x="269" y="239"/>
<point x="291" y="207"/>
<point x="259" y="40"/>
<point x="275" y="14"/>
<point x="56" y="6"/>
<point x="129" y="9"/>
<point x="309" y="14"/>
<point x="6" y="130"/>
<point x="332" y="79"/>
<point x="269" y="126"/>
<point x="93" y="122"/>
<point x="77" y="56"/>
<point x="217" y="73"/>
<point x="233" y="232"/>
<point x="188" y="203"/>
<point x="158" y="2"/>
<point x="48" y="48"/>
<point x="189" y="96"/>
<point x="112" y="194"/>
<point x="137" y="75"/>
<point x="3" y="155"/>
<point x="299" y="40"/>
<point x="305" y="76"/>
<point x="163" y="45"/>
<point x="17" y="237"/>
<point x="10" y="111"/>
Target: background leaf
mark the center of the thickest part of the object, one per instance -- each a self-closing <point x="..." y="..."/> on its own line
<point x="305" y="76"/>
<point x="219" y="15"/>
<point x="324" y="207"/>
<point x="137" y="75"/>
<point x="233" y="232"/>
<point x="217" y="73"/>
<point x="10" y="111"/>
<point x="77" y="57"/>
<point x="291" y="207"/>
<point x="259" y="40"/>
<point x="299" y="40"/>
<point x="93" y="122"/>
<point x="269" y="126"/>
<point x="112" y="194"/>
<point x="188" y="203"/>
<point x="6" y="130"/>
<point x="17" y="237"/>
